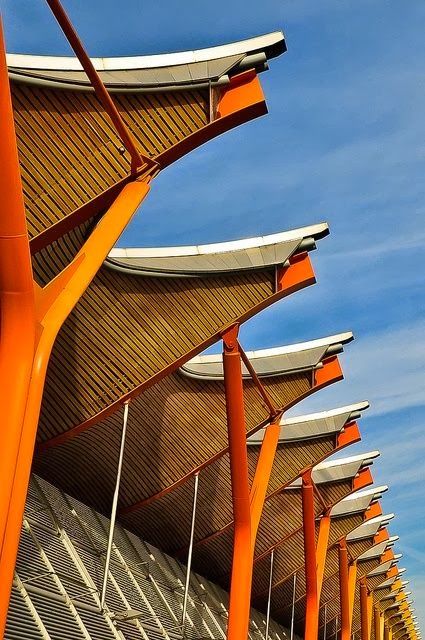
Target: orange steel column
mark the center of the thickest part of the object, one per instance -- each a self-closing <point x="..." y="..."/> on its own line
<point x="309" y="530"/>
<point x="17" y="313"/>
<point x="344" y="592"/>
<point x="53" y="304"/>
<point x="240" y="586"/>
<point x="17" y="302"/>
<point x="377" y="622"/>
<point x="30" y="319"/>
<point x="364" y="606"/>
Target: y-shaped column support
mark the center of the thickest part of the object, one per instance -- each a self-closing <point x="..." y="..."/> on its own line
<point x="31" y="317"/>
<point x="247" y="503"/>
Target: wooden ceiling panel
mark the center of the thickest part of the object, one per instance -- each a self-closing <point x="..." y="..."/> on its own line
<point x="127" y="329"/>
<point x="69" y="150"/>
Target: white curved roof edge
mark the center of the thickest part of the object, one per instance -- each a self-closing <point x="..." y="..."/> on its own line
<point x="311" y="426"/>
<point x="373" y="491"/>
<point x="364" y="458"/>
<point x="369" y="527"/>
<point x="313" y="231"/>
<point x="340" y="338"/>
<point x="69" y="63"/>
<point x="385" y="566"/>
<point x="321" y="415"/>
<point x="349" y="467"/>
<point x="378" y="521"/>
<point x="357" y="502"/>
<point x="377" y="549"/>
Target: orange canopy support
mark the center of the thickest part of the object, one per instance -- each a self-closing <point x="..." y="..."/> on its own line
<point x="314" y="556"/>
<point x="31" y="317"/>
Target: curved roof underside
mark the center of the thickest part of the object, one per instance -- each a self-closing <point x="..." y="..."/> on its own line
<point x="186" y="69"/>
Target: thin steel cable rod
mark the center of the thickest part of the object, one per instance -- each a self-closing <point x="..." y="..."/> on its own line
<point x="189" y="555"/>
<point x="270" y="594"/>
<point x="293" y="606"/>
<point x="114" y="507"/>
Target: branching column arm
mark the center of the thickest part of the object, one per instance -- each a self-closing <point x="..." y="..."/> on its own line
<point x="31" y="319"/>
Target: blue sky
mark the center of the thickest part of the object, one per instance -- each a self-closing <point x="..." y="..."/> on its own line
<point x="344" y="143"/>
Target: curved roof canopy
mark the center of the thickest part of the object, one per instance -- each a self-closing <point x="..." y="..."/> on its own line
<point x="358" y="501"/>
<point x="339" y="469"/>
<point x="313" y="425"/>
<point x="272" y="362"/>
<point x="164" y="71"/>
<point x="370" y="527"/>
<point x="222" y="257"/>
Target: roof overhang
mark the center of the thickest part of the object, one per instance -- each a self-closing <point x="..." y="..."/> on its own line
<point x="357" y="502"/>
<point x="223" y="257"/>
<point x="276" y="361"/>
<point x="369" y="528"/>
<point x="185" y="69"/>
<point x="338" y="470"/>
<point x="314" y="425"/>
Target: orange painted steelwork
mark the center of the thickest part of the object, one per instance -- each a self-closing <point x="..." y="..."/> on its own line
<point x="347" y="586"/>
<point x="377" y="623"/>
<point x="314" y="556"/>
<point x="312" y="605"/>
<point x="240" y="590"/>
<point x="30" y="319"/>
<point x="262" y="474"/>
<point x="321" y="550"/>
<point x="247" y="503"/>
<point x="53" y="305"/>
<point x="17" y="301"/>
<point x="364" y="613"/>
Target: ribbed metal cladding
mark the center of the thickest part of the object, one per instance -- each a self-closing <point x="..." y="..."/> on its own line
<point x="60" y="570"/>
<point x="20" y="622"/>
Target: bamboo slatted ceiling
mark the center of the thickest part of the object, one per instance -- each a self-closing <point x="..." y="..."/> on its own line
<point x="144" y="325"/>
<point x="70" y="153"/>
<point x="171" y="414"/>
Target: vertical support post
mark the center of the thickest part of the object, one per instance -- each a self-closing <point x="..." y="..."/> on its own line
<point x="269" y="599"/>
<point x="17" y="320"/>
<point x="344" y="591"/>
<point x="386" y="632"/>
<point x="240" y="586"/>
<point x="364" y="618"/>
<point x="336" y="628"/>
<point x="312" y="600"/>
<point x="294" y="586"/>
<point x="114" y="507"/>
<point x="377" y="623"/>
<point x="189" y="555"/>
